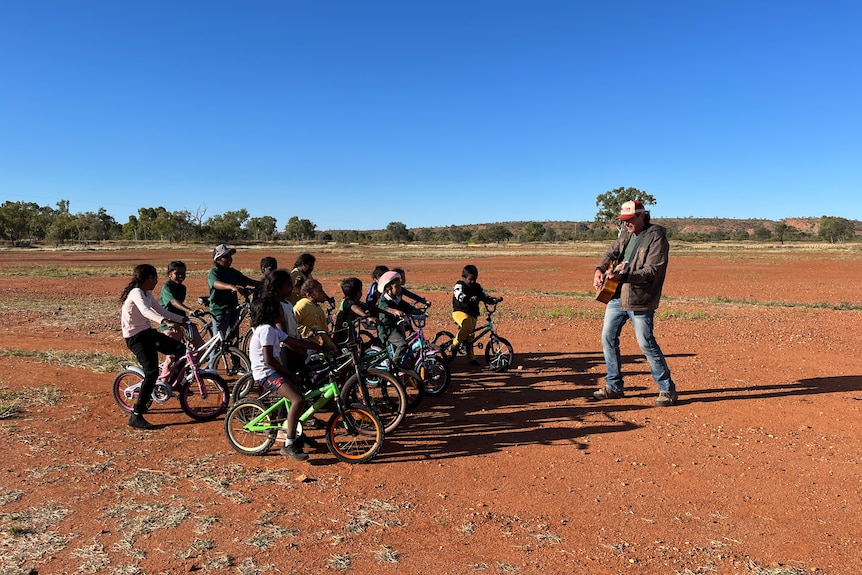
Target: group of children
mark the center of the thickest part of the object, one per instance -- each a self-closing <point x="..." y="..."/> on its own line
<point x="287" y="321"/>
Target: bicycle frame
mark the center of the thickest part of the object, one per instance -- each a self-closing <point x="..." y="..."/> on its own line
<point x="318" y="398"/>
<point x="481" y="331"/>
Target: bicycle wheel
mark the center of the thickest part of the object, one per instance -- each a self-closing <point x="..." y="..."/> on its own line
<point x="203" y="325"/>
<point x="245" y="341"/>
<point x="435" y="374"/>
<point x="231" y="364"/>
<point x="356" y="435"/>
<point x="499" y="353"/>
<point x="243" y="388"/>
<point x="443" y="340"/>
<point x="126" y="387"/>
<point x="242" y="440"/>
<point x="206" y="400"/>
<point x="387" y="396"/>
<point x="414" y="387"/>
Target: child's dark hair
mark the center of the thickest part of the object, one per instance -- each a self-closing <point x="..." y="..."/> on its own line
<point x="378" y="271"/>
<point x="273" y="283"/>
<point x="304" y="259"/>
<point x="308" y="286"/>
<point x="175" y="265"/>
<point x="268" y="263"/>
<point x="264" y="311"/>
<point x="141" y="273"/>
<point x="351" y="287"/>
<point x="469" y="270"/>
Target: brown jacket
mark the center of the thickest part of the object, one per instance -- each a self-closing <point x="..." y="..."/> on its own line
<point x="642" y="283"/>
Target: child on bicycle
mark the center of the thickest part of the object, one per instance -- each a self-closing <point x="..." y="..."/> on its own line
<point x="268" y="265"/>
<point x="138" y="310"/>
<point x="225" y="284"/>
<point x="294" y="349"/>
<point x="406" y="292"/>
<point x="465" y="310"/>
<point x="310" y="317"/>
<point x="268" y="371"/>
<point x="350" y="309"/>
<point x="373" y="294"/>
<point x="392" y="327"/>
<point x="173" y="297"/>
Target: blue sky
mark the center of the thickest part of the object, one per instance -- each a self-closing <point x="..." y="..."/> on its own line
<point x="354" y="114"/>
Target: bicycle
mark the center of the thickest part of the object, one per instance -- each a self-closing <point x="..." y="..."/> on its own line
<point x="376" y="389"/>
<point x="354" y="432"/>
<point x="430" y="374"/>
<point x="203" y="395"/>
<point x="499" y="353"/>
<point x="231" y="358"/>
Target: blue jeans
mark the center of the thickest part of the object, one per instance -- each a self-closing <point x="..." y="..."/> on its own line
<point x="222" y="324"/>
<point x="642" y="321"/>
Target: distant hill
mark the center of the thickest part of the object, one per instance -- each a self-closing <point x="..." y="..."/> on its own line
<point x="678" y="225"/>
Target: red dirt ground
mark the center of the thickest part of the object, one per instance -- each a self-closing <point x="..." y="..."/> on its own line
<point x="759" y="466"/>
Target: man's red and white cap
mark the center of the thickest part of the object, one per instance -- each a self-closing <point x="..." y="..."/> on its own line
<point x="631" y="209"/>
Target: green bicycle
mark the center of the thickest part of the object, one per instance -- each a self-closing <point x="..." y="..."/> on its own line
<point x="499" y="353"/>
<point x="354" y="433"/>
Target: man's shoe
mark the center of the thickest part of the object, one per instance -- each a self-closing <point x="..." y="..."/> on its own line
<point x="666" y="399"/>
<point x="138" y="422"/>
<point x="294" y="452"/>
<point x="607" y="393"/>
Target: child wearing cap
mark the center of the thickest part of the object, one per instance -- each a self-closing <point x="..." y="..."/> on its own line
<point x="225" y="284"/>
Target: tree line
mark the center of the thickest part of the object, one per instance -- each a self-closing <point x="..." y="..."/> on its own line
<point x="24" y="223"/>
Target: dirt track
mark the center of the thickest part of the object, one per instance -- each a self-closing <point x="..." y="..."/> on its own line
<point x="759" y="465"/>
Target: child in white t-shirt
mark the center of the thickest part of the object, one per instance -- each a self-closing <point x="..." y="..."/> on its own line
<point x="268" y="371"/>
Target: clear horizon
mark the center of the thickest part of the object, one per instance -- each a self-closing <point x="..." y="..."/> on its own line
<point x="356" y="115"/>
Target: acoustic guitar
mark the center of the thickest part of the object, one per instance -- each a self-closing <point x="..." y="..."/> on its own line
<point x="609" y="286"/>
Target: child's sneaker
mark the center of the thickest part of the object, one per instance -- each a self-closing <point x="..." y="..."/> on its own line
<point x="294" y="452"/>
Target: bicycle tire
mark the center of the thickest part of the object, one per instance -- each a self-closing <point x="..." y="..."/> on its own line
<point x="245" y="341"/>
<point x="231" y="364"/>
<point x="243" y="388"/>
<point x="499" y="353"/>
<point x="125" y="389"/>
<point x="248" y="442"/>
<point x="388" y="399"/>
<point x="435" y="374"/>
<point x="414" y="387"/>
<point x="206" y="405"/>
<point x="443" y="340"/>
<point x="361" y="446"/>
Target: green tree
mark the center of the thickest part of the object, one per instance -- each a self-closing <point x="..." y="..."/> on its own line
<point x="61" y="227"/>
<point x="781" y="231"/>
<point x="299" y="229"/>
<point x="610" y="202"/>
<point x="227" y="227"/>
<point x="458" y="234"/>
<point x="495" y="233"/>
<point x="398" y="232"/>
<point x="835" y="230"/>
<point x="23" y="221"/>
<point x="762" y="233"/>
<point x="532" y="232"/>
<point x="261" y="228"/>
